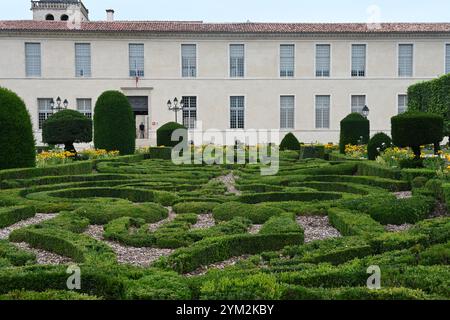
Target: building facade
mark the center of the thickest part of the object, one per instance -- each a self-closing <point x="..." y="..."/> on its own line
<point x="300" y="78"/>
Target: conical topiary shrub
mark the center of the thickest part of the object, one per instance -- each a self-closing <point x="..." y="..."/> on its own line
<point x="17" y="145"/>
<point x="114" y="124"/>
<point x="290" y="142"/>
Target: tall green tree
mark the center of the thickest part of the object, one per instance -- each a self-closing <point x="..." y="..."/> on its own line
<point x="114" y="123"/>
<point x="17" y="145"/>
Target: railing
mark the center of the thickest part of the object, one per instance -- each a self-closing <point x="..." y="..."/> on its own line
<point x="58" y="5"/>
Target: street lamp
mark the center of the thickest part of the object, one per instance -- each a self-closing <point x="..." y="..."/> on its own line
<point x="58" y="106"/>
<point x="365" y="111"/>
<point x="175" y="107"/>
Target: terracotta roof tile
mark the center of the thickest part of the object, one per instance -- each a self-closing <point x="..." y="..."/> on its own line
<point x="200" y="27"/>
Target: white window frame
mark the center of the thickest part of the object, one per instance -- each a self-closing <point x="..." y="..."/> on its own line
<point x="358" y="94"/>
<point x="229" y="110"/>
<point x="90" y="60"/>
<point x="196" y="59"/>
<point x="83" y="111"/>
<point x="413" y="68"/>
<point x="294" y="64"/>
<point x="294" y="113"/>
<point x="47" y="114"/>
<point x="315" y="59"/>
<point x="26" y="59"/>
<point x="196" y="110"/>
<point x="129" y="61"/>
<point x="229" y="60"/>
<point x="365" y="62"/>
<point x="315" y="112"/>
<point x="446" y="45"/>
<point x="398" y="104"/>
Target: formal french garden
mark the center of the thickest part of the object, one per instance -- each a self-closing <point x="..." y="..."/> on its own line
<point x="139" y="227"/>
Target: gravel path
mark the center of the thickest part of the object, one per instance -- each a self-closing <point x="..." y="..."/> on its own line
<point x="403" y="194"/>
<point x="317" y="228"/>
<point x="38" y="218"/>
<point x="218" y="265"/>
<point x="155" y="226"/>
<point x="141" y="257"/>
<point x="254" y="228"/>
<point x="394" y="228"/>
<point x="230" y="182"/>
<point x="44" y="257"/>
<point x="204" y="221"/>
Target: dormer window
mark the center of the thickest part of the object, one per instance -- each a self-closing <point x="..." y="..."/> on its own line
<point x="49" y="17"/>
<point x="64" y="17"/>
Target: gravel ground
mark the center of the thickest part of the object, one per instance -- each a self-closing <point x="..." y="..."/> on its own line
<point x="38" y="218"/>
<point x="317" y="228"/>
<point x="204" y="221"/>
<point x="141" y="257"/>
<point x="155" y="226"/>
<point x="403" y="194"/>
<point x="44" y="257"/>
<point x="394" y="228"/>
<point x="254" y="228"/>
<point x="218" y="265"/>
<point x="230" y="182"/>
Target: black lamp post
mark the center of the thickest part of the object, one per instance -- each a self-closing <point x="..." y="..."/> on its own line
<point x="365" y="111"/>
<point x="175" y="107"/>
<point x="58" y="106"/>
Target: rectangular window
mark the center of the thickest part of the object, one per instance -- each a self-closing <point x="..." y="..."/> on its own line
<point x="44" y="110"/>
<point x="447" y="58"/>
<point x="85" y="107"/>
<point x="323" y="112"/>
<point x="190" y="112"/>
<point x="189" y="60"/>
<point x="323" y="60"/>
<point x="82" y="59"/>
<point x="237" y="60"/>
<point x="33" y="59"/>
<point x="402" y="103"/>
<point x="136" y="60"/>
<point x="287" y="106"/>
<point x="358" y="60"/>
<point x="405" y="60"/>
<point x="237" y="108"/>
<point x="358" y="103"/>
<point x="287" y="60"/>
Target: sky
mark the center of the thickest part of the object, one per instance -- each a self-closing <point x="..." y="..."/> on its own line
<point x="255" y="10"/>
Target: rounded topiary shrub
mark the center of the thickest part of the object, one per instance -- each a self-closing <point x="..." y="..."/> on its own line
<point x="378" y="143"/>
<point x="290" y="142"/>
<point x="414" y="129"/>
<point x="67" y="127"/>
<point x="164" y="134"/>
<point x="114" y="124"/>
<point x="355" y="130"/>
<point x="17" y="146"/>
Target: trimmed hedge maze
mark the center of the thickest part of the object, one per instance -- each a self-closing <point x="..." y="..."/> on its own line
<point x="148" y="229"/>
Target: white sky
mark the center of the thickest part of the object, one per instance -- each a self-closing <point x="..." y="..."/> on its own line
<point x="254" y="10"/>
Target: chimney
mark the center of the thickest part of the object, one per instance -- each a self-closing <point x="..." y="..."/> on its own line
<point x="110" y="15"/>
